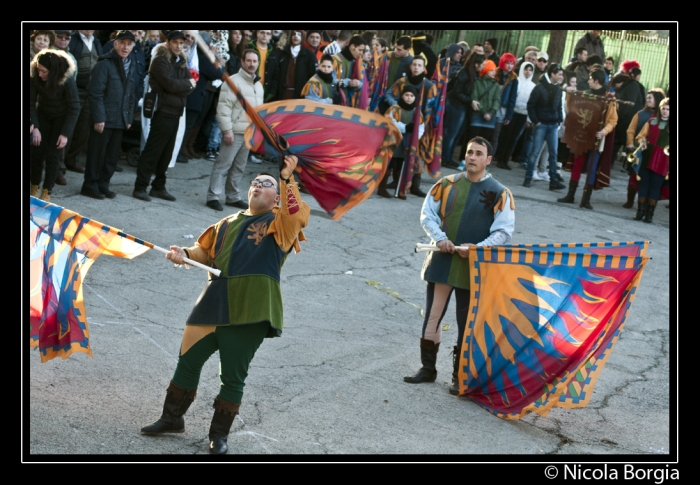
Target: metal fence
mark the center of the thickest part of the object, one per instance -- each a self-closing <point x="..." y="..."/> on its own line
<point x="652" y="54"/>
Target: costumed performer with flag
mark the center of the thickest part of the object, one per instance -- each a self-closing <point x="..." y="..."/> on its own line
<point x="464" y="209"/>
<point x="241" y="307"/>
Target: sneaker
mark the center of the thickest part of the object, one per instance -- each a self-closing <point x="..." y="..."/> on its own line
<point x="543" y="176"/>
<point x="211" y="155"/>
<point x="255" y="159"/>
<point x="241" y="204"/>
<point x="141" y="195"/>
<point x="462" y="166"/>
<point x="161" y="194"/>
<point x="215" y="204"/>
<point x="536" y="176"/>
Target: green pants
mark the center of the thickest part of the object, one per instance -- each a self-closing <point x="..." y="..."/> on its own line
<point x="236" y="344"/>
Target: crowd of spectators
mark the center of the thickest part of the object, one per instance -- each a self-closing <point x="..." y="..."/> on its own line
<point x="487" y="92"/>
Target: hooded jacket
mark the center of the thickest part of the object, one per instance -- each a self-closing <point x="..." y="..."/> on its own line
<point x="111" y="91"/>
<point x="169" y="78"/>
<point x="509" y="92"/>
<point x="63" y="102"/>
<point x="525" y="87"/>
<point x="544" y="105"/>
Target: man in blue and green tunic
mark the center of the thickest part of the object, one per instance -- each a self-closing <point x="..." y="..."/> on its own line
<point x="240" y="307"/>
<point x="462" y="210"/>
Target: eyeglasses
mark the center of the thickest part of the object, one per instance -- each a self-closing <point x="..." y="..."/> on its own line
<point x="541" y="60"/>
<point x="262" y="183"/>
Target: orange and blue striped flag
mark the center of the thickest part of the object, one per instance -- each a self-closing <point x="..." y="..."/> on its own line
<point x="63" y="246"/>
<point x="543" y="321"/>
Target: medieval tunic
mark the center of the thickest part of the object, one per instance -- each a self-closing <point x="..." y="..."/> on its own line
<point x="657" y="137"/>
<point x="249" y="250"/>
<point x="467" y="211"/>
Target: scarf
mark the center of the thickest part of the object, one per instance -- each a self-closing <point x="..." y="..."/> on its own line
<point x="416" y="80"/>
<point x="405" y="105"/>
<point x="326" y="78"/>
<point x="295" y="50"/>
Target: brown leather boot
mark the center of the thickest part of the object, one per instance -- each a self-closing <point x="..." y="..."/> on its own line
<point x="641" y="208"/>
<point x="586" y="197"/>
<point x="381" y="190"/>
<point x="190" y="142"/>
<point x="631" y="193"/>
<point x="649" y="215"/>
<point x="177" y="402"/>
<point x="428" y="357"/>
<point x="224" y="414"/>
<point x="34" y="191"/>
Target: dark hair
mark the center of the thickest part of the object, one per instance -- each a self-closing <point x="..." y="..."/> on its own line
<point x="477" y="44"/>
<point x="635" y="71"/>
<point x="598" y="75"/>
<point x="356" y="40"/>
<point x="469" y="64"/>
<point x="419" y="57"/>
<point x="368" y="35"/>
<point x="404" y="41"/>
<point x="554" y="68"/>
<point x="345" y="35"/>
<point x="568" y="75"/>
<point x="56" y="64"/>
<point x="482" y="141"/>
<point x="49" y="33"/>
<point x="277" y="189"/>
<point x="429" y="38"/>
<point x="326" y="57"/>
<point x="579" y="50"/>
<point x="382" y="41"/>
<point x="609" y="58"/>
<point x="247" y="51"/>
<point x="594" y="59"/>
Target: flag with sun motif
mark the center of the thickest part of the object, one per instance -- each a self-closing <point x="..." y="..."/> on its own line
<point x="543" y="322"/>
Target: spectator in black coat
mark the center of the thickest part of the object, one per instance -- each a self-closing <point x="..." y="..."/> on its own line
<point x="53" y="111"/>
<point x="297" y="65"/>
<point x="111" y="94"/>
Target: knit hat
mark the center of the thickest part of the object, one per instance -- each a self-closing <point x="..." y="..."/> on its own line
<point x="409" y="88"/>
<point x="493" y="41"/>
<point x="488" y="65"/>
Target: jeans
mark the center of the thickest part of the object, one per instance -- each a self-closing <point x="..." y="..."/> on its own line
<point x="454" y="122"/>
<point x="540" y="134"/>
<point x="214" y="136"/>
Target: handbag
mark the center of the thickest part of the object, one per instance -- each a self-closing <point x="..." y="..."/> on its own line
<point x="150" y="103"/>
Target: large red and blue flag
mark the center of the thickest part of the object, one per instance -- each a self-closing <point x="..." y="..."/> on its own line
<point x="543" y="322"/>
<point x="62" y="247"/>
<point x="343" y="152"/>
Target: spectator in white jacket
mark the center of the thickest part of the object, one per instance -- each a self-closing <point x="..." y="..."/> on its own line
<point x="512" y="131"/>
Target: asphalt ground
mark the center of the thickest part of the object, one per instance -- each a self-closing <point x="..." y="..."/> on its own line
<point x="331" y="388"/>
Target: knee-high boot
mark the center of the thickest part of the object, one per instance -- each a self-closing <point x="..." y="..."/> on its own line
<point x="396" y="174"/>
<point x="177" y="402"/>
<point x="454" y="387"/>
<point x="381" y="190"/>
<point x="224" y="414"/>
<point x="631" y="193"/>
<point x="428" y="357"/>
<point x="415" y="186"/>
<point x="569" y="197"/>
<point x="651" y="205"/>
<point x="641" y="208"/>
<point x="190" y="142"/>
<point x="586" y="197"/>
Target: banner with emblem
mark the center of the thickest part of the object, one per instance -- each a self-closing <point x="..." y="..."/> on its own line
<point x="582" y="122"/>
